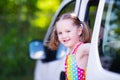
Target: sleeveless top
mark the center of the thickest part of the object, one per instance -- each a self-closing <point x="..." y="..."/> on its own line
<point x="72" y="71"/>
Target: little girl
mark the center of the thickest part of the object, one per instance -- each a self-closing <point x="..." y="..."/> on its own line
<point x="75" y="35"/>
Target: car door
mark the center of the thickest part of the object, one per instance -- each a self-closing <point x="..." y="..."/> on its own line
<point x="104" y="57"/>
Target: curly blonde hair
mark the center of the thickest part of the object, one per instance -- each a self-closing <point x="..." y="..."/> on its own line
<point x="84" y="37"/>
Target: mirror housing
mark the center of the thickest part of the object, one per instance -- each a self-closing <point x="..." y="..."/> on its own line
<point x="36" y="50"/>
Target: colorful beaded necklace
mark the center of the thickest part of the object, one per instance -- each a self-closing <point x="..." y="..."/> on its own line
<point x="73" y="72"/>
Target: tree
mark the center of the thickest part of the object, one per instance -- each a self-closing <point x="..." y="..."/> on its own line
<point x="20" y="22"/>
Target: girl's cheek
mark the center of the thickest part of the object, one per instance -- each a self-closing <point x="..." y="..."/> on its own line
<point x="59" y="38"/>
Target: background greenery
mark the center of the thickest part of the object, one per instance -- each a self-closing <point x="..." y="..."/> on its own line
<point x="20" y="22"/>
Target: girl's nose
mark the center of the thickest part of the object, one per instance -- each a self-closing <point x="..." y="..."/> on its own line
<point x="64" y="35"/>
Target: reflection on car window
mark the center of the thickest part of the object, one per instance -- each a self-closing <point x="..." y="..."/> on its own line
<point x="91" y="13"/>
<point x="68" y="8"/>
<point x="109" y="40"/>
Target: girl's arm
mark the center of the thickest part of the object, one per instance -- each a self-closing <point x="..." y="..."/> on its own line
<point x="82" y="55"/>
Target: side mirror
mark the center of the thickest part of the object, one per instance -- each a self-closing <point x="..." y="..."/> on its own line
<point x="36" y="50"/>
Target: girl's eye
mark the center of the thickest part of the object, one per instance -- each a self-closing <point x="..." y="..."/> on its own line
<point x="59" y="32"/>
<point x="68" y="31"/>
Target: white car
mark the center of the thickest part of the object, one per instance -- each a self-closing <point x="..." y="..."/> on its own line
<point x="103" y="17"/>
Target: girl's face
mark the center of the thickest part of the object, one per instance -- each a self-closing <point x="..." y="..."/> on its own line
<point x="68" y="34"/>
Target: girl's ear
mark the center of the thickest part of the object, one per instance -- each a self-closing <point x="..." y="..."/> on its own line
<point x="79" y="31"/>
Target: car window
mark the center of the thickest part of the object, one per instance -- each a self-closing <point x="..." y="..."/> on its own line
<point x="91" y="14"/>
<point x="109" y="36"/>
<point x="68" y="8"/>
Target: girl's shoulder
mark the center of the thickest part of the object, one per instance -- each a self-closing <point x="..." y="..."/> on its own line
<point x="84" y="48"/>
<point x="85" y="45"/>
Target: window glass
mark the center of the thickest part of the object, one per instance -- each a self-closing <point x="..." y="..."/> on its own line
<point x="91" y="13"/>
<point x="109" y="36"/>
<point x="68" y="8"/>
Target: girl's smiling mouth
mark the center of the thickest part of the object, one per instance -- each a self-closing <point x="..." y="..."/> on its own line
<point x="67" y="40"/>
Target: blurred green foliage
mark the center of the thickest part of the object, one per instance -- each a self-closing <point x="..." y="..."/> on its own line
<point x="20" y="22"/>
